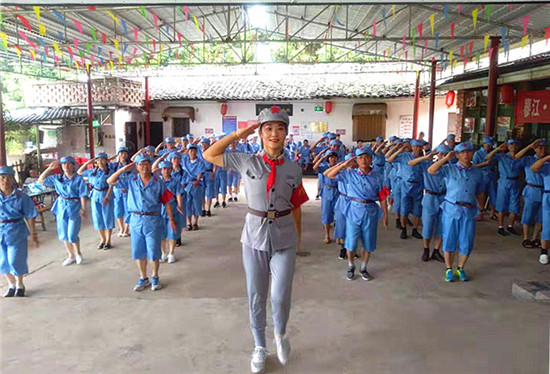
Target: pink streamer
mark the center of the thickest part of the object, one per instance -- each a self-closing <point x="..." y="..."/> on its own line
<point x="155" y="17"/>
<point x="186" y="10"/>
<point x="24" y="36"/>
<point x="525" y="21"/>
<point x="78" y="26"/>
<point x="374" y="27"/>
<point x="136" y="34"/>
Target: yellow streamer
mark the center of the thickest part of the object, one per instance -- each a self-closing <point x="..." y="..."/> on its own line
<point x="56" y="47"/>
<point x="41" y="30"/>
<point x="4" y="39"/>
<point x="113" y="17"/>
<point x="196" y="23"/>
<point x="393" y="10"/>
<point x="485" y="42"/>
<point x="116" y="44"/>
<point x="474" y="17"/>
<point x="32" y="54"/>
<point x="524" y="40"/>
<point x="432" y="22"/>
<point x="37" y="12"/>
<point x="451" y="56"/>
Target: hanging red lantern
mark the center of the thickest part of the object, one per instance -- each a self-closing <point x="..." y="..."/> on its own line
<point x="328" y="107"/>
<point x="450" y="98"/>
<point x="223" y="109"/>
<point x="507" y="94"/>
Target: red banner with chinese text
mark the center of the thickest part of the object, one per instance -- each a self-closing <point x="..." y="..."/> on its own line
<point x="533" y="107"/>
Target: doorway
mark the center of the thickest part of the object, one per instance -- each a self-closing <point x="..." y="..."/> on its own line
<point x="367" y="127"/>
<point x="181" y="127"/>
<point x="156" y="133"/>
<point x="130" y="131"/>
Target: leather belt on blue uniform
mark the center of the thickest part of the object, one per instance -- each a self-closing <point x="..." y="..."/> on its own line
<point x="101" y="189"/>
<point x="534" y="185"/>
<point x="512" y="178"/>
<point x="343" y="194"/>
<point x="11" y="220"/>
<point x="69" y="198"/>
<point x="413" y="181"/>
<point x="145" y="213"/>
<point x="209" y="170"/>
<point x="270" y="213"/>
<point x="329" y="186"/>
<point x="546" y="191"/>
<point x="467" y="205"/>
<point x="435" y="193"/>
<point x="362" y="201"/>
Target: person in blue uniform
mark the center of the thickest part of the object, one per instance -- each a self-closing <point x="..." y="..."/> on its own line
<point x="341" y="212"/>
<point x="317" y="148"/>
<point x="209" y="181"/>
<point x="149" y="150"/>
<point x="120" y="194"/>
<point x="464" y="191"/>
<point x="431" y="203"/>
<point x="395" y="180"/>
<point x="509" y="188"/>
<point x="221" y="184"/>
<point x="233" y="176"/>
<point x="304" y="155"/>
<point x="146" y="196"/>
<point x="256" y="147"/>
<point x="542" y="167"/>
<point x="195" y="187"/>
<point x="489" y="173"/>
<point x="272" y="229"/>
<point x="531" y="218"/>
<point x="69" y="207"/>
<point x="364" y="190"/>
<point x="170" y="236"/>
<point x="167" y="146"/>
<point x="16" y="207"/>
<point x="329" y="193"/>
<point x="412" y="185"/>
<point x="101" y="201"/>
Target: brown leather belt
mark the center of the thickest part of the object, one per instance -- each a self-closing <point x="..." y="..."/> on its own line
<point x="11" y="220"/>
<point x="329" y="186"/>
<point x="467" y="205"/>
<point x="270" y="213"/>
<point x="534" y="185"/>
<point x="101" y="189"/>
<point x="69" y="198"/>
<point x="145" y="213"/>
<point x="362" y="201"/>
<point x="435" y="193"/>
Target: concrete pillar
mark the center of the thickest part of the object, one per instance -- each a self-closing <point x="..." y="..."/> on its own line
<point x="492" y="96"/>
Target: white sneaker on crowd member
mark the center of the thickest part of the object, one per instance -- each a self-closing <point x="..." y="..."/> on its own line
<point x="257" y="364"/>
<point x="543" y="259"/>
<point x="164" y="257"/>
<point x="69" y="261"/>
<point x="78" y="259"/>
<point x="283" y="348"/>
<point x="171" y="259"/>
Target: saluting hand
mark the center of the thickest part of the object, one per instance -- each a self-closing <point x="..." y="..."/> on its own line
<point x="450" y="155"/>
<point x="244" y="133"/>
<point x="128" y="167"/>
<point x="54" y="165"/>
<point x="536" y="143"/>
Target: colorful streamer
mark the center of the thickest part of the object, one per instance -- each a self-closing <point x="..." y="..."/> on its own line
<point x="25" y="22"/>
<point x="37" y="12"/>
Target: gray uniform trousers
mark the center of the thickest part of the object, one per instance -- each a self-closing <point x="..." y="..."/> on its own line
<point x="257" y="266"/>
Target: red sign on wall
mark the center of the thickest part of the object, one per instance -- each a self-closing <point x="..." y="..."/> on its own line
<point x="533" y="107"/>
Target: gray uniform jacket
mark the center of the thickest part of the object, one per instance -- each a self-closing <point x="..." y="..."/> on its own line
<point x="266" y="234"/>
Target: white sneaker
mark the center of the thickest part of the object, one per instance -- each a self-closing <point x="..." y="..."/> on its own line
<point x="164" y="257"/>
<point x="78" y="259"/>
<point x="257" y="364"/>
<point x="171" y="259"/>
<point x="283" y="348"/>
<point x="69" y="261"/>
<point x="543" y="259"/>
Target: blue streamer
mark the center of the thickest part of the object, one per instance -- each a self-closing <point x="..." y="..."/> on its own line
<point x="60" y="35"/>
<point x="125" y="48"/>
<point x="384" y="16"/>
<point x="60" y="16"/>
<point x="40" y="40"/>
<point x="446" y="12"/>
<point x="125" y="27"/>
<point x="503" y="32"/>
<point x="99" y="49"/>
<point x="167" y="28"/>
<point x="436" y="39"/>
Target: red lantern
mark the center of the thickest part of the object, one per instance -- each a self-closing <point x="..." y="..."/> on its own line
<point x="450" y="98"/>
<point x="223" y="110"/>
<point x="507" y="94"/>
<point x="328" y="107"/>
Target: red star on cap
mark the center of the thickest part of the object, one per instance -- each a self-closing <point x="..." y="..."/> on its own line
<point x="275" y="109"/>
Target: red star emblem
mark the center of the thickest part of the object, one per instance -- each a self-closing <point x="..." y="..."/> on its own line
<point x="275" y="109"/>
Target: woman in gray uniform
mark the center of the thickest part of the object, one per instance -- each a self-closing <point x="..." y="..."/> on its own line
<point x="272" y="228"/>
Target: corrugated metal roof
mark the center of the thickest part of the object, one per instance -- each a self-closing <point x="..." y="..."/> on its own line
<point x="29" y="116"/>
<point x="290" y="87"/>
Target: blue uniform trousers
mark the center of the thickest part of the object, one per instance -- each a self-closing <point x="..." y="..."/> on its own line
<point x="458" y="228"/>
<point x="146" y="236"/>
<point x="13" y="249"/>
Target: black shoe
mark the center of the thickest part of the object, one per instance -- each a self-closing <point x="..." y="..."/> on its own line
<point x="178" y="242"/>
<point x="9" y="293"/>
<point x="101" y="245"/>
<point x="217" y="204"/>
<point x="527" y="243"/>
<point x="398" y="224"/>
<point x="365" y="275"/>
<point x="512" y="230"/>
<point x="230" y="199"/>
<point x="107" y="246"/>
<point x="209" y="213"/>
<point x="502" y="232"/>
<point x="536" y="243"/>
<point x="203" y="213"/>
<point x="19" y="292"/>
<point x="404" y="233"/>
<point x="343" y="254"/>
<point x="195" y="227"/>
<point x="416" y="234"/>
<point x="224" y="204"/>
<point x="189" y="228"/>
<point x="426" y="255"/>
<point x="437" y="256"/>
<point x="235" y="199"/>
<point x="351" y="273"/>
<point x="317" y="197"/>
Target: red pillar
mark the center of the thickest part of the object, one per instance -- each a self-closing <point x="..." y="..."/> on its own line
<point x="432" y="104"/>
<point x="90" y="115"/>
<point x="3" y="157"/>
<point x="416" y="103"/>
<point x="148" y="114"/>
<point x="492" y="95"/>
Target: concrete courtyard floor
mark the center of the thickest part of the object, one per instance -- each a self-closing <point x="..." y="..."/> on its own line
<point x="87" y="319"/>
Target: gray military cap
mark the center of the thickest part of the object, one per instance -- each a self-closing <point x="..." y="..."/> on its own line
<point x="274" y="114"/>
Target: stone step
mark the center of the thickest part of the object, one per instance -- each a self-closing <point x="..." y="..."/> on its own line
<point x="531" y="290"/>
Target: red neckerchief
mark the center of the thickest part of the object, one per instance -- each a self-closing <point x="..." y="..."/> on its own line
<point x="273" y="172"/>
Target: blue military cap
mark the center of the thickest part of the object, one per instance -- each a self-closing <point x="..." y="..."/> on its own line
<point x="407" y="140"/>
<point x="543" y="143"/>
<point x="398" y="141"/>
<point x="6" y="170"/>
<point x="466" y="146"/>
<point x="68" y="160"/>
<point x="489" y="140"/>
<point x="189" y="146"/>
<point x="379" y="139"/>
<point x="417" y="142"/>
<point x="165" y="164"/>
<point x="332" y="153"/>
<point x="102" y="155"/>
<point x="190" y="136"/>
<point x="512" y="141"/>
<point x="169" y="139"/>
<point x="205" y="140"/>
<point x="451" y="136"/>
<point x="143" y="157"/>
<point x="392" y="138"/>
<point x="348" y="156"/>
<point x="363" y="150"/>
<point x="443" y="149"/>
<point x="183" y="138"/>
<point x="331" y="135"/>
<point x="122" y="149"/>
<point x="336" y="142"/>
<point x="173" y="155"/>
<point x="423" y="142"/>
<point x="149" y="148"/>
